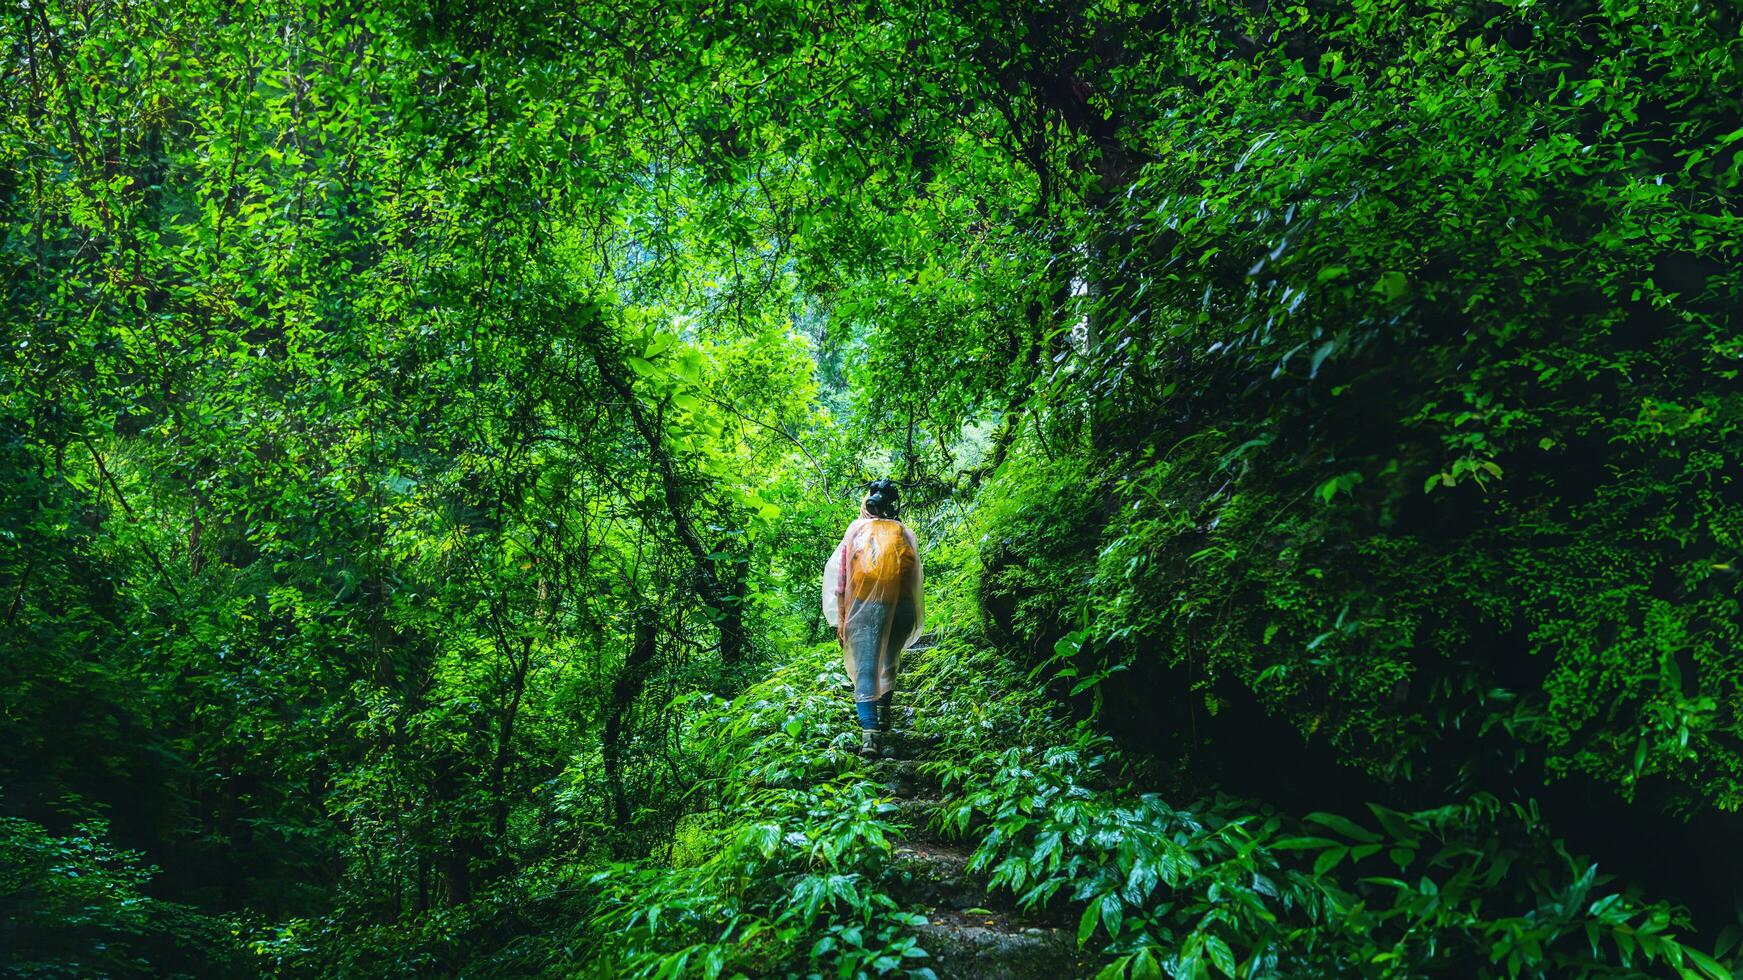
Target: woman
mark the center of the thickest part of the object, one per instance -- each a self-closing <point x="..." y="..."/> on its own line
<point x="872" y="596"/>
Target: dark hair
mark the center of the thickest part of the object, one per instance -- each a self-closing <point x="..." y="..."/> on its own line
<point x="883" y="498"/>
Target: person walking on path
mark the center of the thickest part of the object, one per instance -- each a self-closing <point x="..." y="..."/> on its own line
<point x="872" y="595"/>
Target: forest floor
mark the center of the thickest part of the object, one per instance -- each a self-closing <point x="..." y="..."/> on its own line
<point x="971" y="931"/>
<point x="996" y="839"/>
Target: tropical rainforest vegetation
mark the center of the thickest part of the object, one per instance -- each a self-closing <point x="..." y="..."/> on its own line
<point x="422" y="426"/>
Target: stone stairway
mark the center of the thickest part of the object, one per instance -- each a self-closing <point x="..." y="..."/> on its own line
<point x="970" y="932"/>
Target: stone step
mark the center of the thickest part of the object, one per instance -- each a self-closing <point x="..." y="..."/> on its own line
<point x="931" y="869"/>
<point x="907" y="770"/>
<point x="995" y="946"/>
<point x="902" y="778"/>
<point x="934" y="874"/>
<point x="907" y="743"/>
<point x="934" y="860"/>
<point x="919" y="813"/>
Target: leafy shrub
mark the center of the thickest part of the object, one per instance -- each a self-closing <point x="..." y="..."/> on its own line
<point x="1226" y="886"/>
<point x="793" y="886"/>
<point x="1414" y="394"/>
<point x="75" y="906"/>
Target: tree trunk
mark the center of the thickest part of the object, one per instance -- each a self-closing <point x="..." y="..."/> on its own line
<point x="505" y="743"/>
<point x="457" y="876"/>
<point x="716" y="594"/>
<point x="732" y="640"/>
<point x="623" y="694"/>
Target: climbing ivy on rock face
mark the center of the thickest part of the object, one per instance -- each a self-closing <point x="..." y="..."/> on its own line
<point x="1411" y="359"/>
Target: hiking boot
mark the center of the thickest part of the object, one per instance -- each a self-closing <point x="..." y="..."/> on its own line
<point x="868" y="743"/>
<point x="897" y="720"/>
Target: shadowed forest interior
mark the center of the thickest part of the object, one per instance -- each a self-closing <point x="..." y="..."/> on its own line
<point x="423" y="427"/>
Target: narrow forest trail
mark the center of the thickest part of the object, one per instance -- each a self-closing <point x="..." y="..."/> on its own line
<point x="970" y="932"/>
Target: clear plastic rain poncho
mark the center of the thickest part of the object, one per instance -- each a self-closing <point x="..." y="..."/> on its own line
<point x="872" y="595"/>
